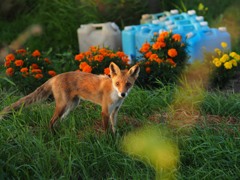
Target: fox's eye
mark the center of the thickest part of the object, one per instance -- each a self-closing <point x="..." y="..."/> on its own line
<point x="117" y="83"/>
<point x="128" y="84"/>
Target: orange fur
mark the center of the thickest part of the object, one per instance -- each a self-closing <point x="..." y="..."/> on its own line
<point x="68" y="88"/>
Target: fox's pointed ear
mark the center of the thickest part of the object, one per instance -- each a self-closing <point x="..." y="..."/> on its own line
<point x="114" y="69"/>
<point x="134" y="71"/>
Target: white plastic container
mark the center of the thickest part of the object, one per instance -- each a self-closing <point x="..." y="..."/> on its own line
<point x="103" y="35"/>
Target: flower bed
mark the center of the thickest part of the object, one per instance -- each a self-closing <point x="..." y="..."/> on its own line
<point x="28" y="70"/>
<point x="164" y="59"/>
<point x="224" y="66"/>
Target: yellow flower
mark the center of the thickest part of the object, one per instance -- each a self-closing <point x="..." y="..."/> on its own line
<point x="237" y="57"/>
<point x="234" y="62"/>
<point x="224" y="44"/>
<point x="228" y="65"/>
<point x="200" y="7"/>
<point x="233" y="54"/>
<point x="224" y="58"/>
<point x="218" y="51"/>
<point x="218" y="63"/>
<point x="215" y="60"/>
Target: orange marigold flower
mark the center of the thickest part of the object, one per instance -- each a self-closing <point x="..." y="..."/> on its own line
<point x="153" y="57"/>
<point x="107" y="71"/>
<point x="93" y="48"/>
<point x="148" y="70"/>
<point x="37" y="71"/>
<point x="164" y="34"/>
<point x="125" y="59"/>
<point x="52" y="73"/>
<point x="177" y="37"/>
<point x="112" y="55"/>
<point x="87" y="53"/>
<point x="36" y="53"/>
<point x="79" y="57"/>
<point x="103" y="51"/>
<point x="87" y="69"/>
<point x="156" y="46"/>
<point x="38" y="76"/>
<point x="171" y="62"/>
<point x="147" y="63"/>
<point x="7" y="63"/>
<point x="82" y="65"/>
<point x="148" y="54"/>
<point x="34" y="66"/>
<point x="24" y="70"/>
<point x="172" y="52"/>
<point x="19" y="62"/>
<point x="160" y="39"/>
<point x="158" y="60"/>
<point x="99" y="58"/>
<point x="120" y="54"/>
<point x="145" y="47"/>
<point x="159" y="44"/>
<point x="47" y="60"/>
<point x="9" y="71"/>
<point x="10" y="57"/>
<point x="89" y="58"/>
<point x="21" y="51"/>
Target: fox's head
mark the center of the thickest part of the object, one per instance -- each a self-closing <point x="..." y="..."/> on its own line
<point x="123" y="80"/>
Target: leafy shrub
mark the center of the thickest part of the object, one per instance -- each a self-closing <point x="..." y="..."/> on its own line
<point x="224" y="66"/>
<point x="28" y="70"/>
<point x="97" y="60"/>
<point x="164" y="58"/>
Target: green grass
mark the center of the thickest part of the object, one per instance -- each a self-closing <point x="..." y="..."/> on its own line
<point x="81" y="150"/>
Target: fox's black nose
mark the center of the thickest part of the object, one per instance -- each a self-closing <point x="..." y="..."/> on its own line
<point x="123" y="94"/>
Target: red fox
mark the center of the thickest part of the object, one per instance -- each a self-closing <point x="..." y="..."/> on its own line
<point x="68" y="88"/>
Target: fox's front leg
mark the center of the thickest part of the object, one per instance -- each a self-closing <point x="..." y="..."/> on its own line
<point x="113" y="118"/>
<point x="105" y="118"/>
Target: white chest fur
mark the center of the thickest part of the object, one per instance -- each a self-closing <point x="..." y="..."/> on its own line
<point x="116" y="101"/>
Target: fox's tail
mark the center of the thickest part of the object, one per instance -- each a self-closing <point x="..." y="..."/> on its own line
<point x="40" y="94"/>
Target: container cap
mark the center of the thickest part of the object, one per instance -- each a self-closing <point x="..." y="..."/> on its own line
<point x="189" y="35"/>
<point x="174" y="11"/>
<point x="145" y="16"/>
<point x="162" y="18"/>
<point x="114" y="26"/>
<point x="156" y="21"/>
<point x="128" y="28"/>
<point x="222" y="29"/>
<point x="191" y="12"/>
<point x="168" y="23"/>
<point x="161" y="30"/>
<point x="199" y="18"/>
<point x="204" y="23"/>
<point x="171" y="26"/>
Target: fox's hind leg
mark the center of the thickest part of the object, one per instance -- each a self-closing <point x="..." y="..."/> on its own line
<point x="62" y="110"/>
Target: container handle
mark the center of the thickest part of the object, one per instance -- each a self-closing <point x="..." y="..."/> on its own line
<point x="98" y="26"/>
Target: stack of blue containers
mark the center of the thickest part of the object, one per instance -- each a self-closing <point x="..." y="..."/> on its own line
<point x="199" y="36"/>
